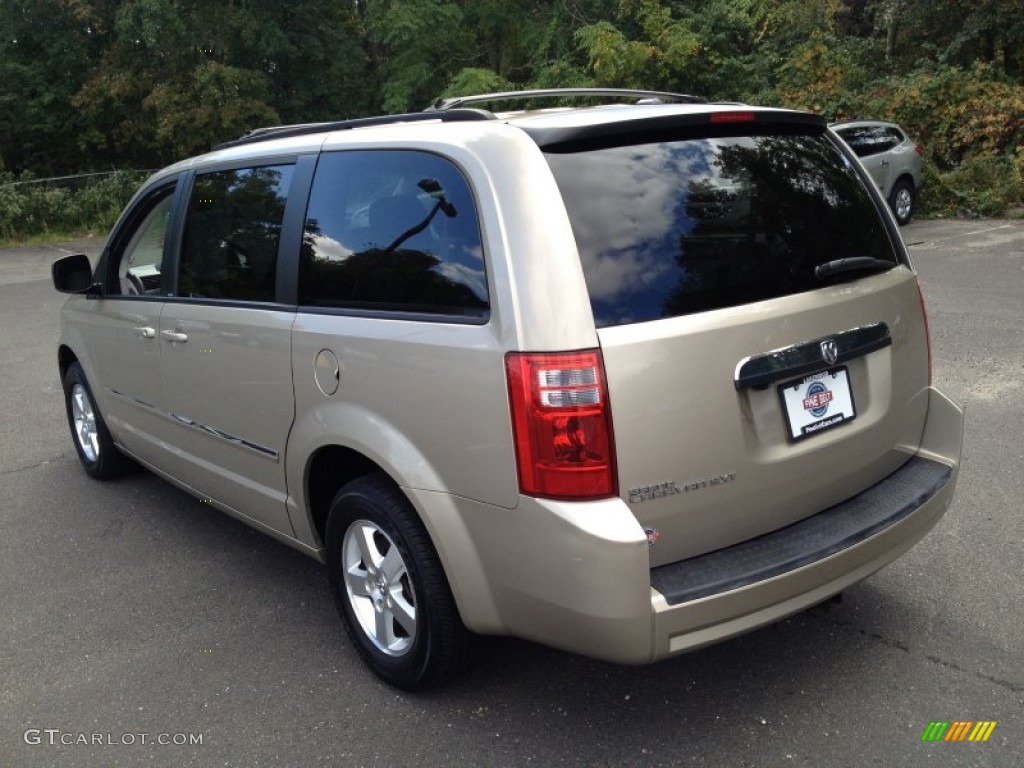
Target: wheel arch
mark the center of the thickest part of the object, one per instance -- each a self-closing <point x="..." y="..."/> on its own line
<point x="907" y="177"/>
<point x="65" y="357"/>
<point x="332" y="466"/>
<point x="328" y="470"/>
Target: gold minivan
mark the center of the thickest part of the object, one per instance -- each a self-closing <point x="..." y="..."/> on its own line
<point x="626" y="380"/>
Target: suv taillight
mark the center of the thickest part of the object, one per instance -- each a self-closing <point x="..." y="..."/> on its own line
<point x="562" y="425"/>
<point x="732" y="117"/>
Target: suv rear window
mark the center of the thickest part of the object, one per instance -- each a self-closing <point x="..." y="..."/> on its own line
<point x="672" y="228"/>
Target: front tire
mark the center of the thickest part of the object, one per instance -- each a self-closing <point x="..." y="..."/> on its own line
<point x="95" y="447"/>
<point x="390" y="587"/>
<point x="902" y="201"/>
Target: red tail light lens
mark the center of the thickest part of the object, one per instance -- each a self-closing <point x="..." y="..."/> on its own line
<point x="561" y="424"/>
<point x="919" y="149"/>
<point x="732" y="117"/>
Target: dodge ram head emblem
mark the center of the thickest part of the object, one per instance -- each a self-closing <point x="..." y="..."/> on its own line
<point x="830" y="351"/>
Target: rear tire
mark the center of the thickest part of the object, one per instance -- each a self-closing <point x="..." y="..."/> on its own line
<point x="95" y="447"/>
<point x="903" y="201"/>
<point x="390" y="588"/>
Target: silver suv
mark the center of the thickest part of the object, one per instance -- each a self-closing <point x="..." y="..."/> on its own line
<point x="626" y="380"/>
<point x="891" y="158"/>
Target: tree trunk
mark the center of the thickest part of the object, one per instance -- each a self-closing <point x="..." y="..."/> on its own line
<point x="891" y="31"/>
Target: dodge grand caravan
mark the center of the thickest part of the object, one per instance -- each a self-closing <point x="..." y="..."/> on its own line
<point x="626" y="379"/>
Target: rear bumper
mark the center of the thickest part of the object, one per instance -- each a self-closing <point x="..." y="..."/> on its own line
<point x="831" y="531"/>
<point x="690" y="624"/>
<point x="577" y="576"/>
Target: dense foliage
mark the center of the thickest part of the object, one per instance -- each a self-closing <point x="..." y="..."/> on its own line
<point x="99" y="84"/>
<point x="34" y="206"/>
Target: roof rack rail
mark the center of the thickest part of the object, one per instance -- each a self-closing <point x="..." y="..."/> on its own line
<point x="656" y="97"/>
<point x="286" y="131"/>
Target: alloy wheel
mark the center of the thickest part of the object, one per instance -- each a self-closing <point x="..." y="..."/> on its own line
<point x="379" y="588"/>
<point x="904" y="201"/>
<point x="84" y="417"/>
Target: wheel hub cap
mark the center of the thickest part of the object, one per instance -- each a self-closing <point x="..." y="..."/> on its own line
<point x="379" y="589"/>
<point x="83" y="417"/>
<point x="903" y="203"/>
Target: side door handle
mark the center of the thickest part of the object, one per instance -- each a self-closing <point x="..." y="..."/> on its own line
<point x="173" y="336"/>
<point x="145" y="332"/>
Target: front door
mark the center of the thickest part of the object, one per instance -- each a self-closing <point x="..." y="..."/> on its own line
<point x="121" y="331"/>
<point x="226" y="344"/>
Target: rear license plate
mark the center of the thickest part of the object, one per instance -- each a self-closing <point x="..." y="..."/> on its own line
<point x="817" y="402"/>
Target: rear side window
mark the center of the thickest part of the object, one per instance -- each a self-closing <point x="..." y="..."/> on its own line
<point x="392" y="231"/>
<point x="871" y="139"/>
<point x="672" y="228"/>
<point x="232" y="231"/>
<point x="896" y="136"/>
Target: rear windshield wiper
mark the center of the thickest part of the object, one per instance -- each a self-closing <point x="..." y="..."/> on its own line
<point x="852" y="264"/>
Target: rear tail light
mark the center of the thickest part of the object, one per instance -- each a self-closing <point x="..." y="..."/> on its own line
<point x="919" y="149"/>
<point x="561" y="424"/>
<point x="732" y="117"/>
<point x="927" y="333"/>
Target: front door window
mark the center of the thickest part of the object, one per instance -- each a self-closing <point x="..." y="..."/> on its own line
<point x="140" y="267"/>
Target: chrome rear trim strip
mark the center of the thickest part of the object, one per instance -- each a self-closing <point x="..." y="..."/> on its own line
<point x="759" y="371"/>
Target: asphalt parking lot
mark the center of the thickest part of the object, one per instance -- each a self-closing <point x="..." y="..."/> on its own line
<point x="133" y="612"/>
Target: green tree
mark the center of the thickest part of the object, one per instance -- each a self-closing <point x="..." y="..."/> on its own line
<point x="646" y="46"/>
<point x="88" y="84"/>
<point x="954" y="32"/>
<point x="163" y="89"/>
<point x="415" y="47"/>
<point x="46" y="52"/>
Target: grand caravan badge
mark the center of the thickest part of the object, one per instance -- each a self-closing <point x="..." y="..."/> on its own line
<point x="672" y="488"/>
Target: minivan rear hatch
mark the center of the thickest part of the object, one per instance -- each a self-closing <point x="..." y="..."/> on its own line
<point x="763" y="337"/>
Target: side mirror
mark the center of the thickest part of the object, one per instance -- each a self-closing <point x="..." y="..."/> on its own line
<point x="73" y="274"/>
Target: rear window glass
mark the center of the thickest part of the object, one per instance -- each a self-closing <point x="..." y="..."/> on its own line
<point x="668" y="229"/>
